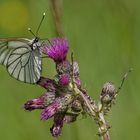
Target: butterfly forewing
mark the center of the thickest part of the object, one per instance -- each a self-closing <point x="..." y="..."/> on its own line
<point x="22" y="62"/>
<point x="4" y="52"/>
<point x="7" y="46"/>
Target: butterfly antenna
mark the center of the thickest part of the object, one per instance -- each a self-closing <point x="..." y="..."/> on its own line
<point x="44" y="39"/>
<point x="29" y="29"/>
<point x="40" y="23"/>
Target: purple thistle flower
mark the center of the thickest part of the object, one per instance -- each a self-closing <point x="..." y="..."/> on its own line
<point x="60" y="104"/>
<point x="56" y="130"/>
<point x="64" y="79"/>
<point x="34" y="104"/>
<point x="46" y="83"/>
<point x="49" y="111"/>
<point x="57" y="49"/>
<point x="40" y="102"/>
<point x="57" y="126"/>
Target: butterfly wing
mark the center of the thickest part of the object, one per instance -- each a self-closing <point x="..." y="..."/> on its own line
<point x="22" y="62"/>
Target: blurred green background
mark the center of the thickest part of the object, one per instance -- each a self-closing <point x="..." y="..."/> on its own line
<point x="105" y="38"/>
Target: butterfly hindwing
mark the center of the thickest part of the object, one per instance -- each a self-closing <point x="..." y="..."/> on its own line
<point x="22" y="62"/>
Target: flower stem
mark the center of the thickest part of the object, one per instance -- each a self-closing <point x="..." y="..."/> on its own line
<point x="87" y="102"/>
<point x="97" y="115"/>
<point x="105" y="136"/>
<point x="56" y="6"/>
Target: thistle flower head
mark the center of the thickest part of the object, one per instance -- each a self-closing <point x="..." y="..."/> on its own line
<point x="50" y="111"/>
<point x="64" y="79"/>
<point x="63" y="67"/>
<point x="57" y="126"/>
<point x="108" y="93"/>
<point x="76" y="105"/>
<point x="40" y="102"/>
<point x="56" y="130"/>
<point x="34" y="104"/>
<point x="47" y="83"/>
<point x="59" y="105"/>
<point x="57" y="49"/>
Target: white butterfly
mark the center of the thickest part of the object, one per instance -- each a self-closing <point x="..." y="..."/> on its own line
<point x="22" y="57"/>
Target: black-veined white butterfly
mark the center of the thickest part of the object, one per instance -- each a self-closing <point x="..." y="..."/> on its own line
<point x="22" y="57"/>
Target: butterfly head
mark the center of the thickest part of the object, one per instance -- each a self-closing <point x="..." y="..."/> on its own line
<point x="36" y="43"/>
<point x="35" y="40"/>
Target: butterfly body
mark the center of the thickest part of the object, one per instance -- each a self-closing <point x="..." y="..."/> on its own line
<point x="22" y="58"/>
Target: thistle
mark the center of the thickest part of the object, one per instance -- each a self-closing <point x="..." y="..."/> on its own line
<point x="65" y="98"/>
<point x="60" y="101"/>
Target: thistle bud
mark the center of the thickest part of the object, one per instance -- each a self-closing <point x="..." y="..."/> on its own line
<point x="64" y="79"/>
<point x="108" y="93"/>
<point x="76" y="106"/>
<point x="63" y="67"/>
<point x="75" y="68"/>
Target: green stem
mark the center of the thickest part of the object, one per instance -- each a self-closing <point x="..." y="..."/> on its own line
<point x="106" y="134"/>
<point x="95" y="114"/>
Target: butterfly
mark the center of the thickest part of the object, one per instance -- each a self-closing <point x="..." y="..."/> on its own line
<point x="22" y="57"/>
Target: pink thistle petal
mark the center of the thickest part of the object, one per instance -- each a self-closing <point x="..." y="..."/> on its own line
<point x="40" y="102"/>
<point x="57" y="49"/>
<point x="49" y="111"/>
